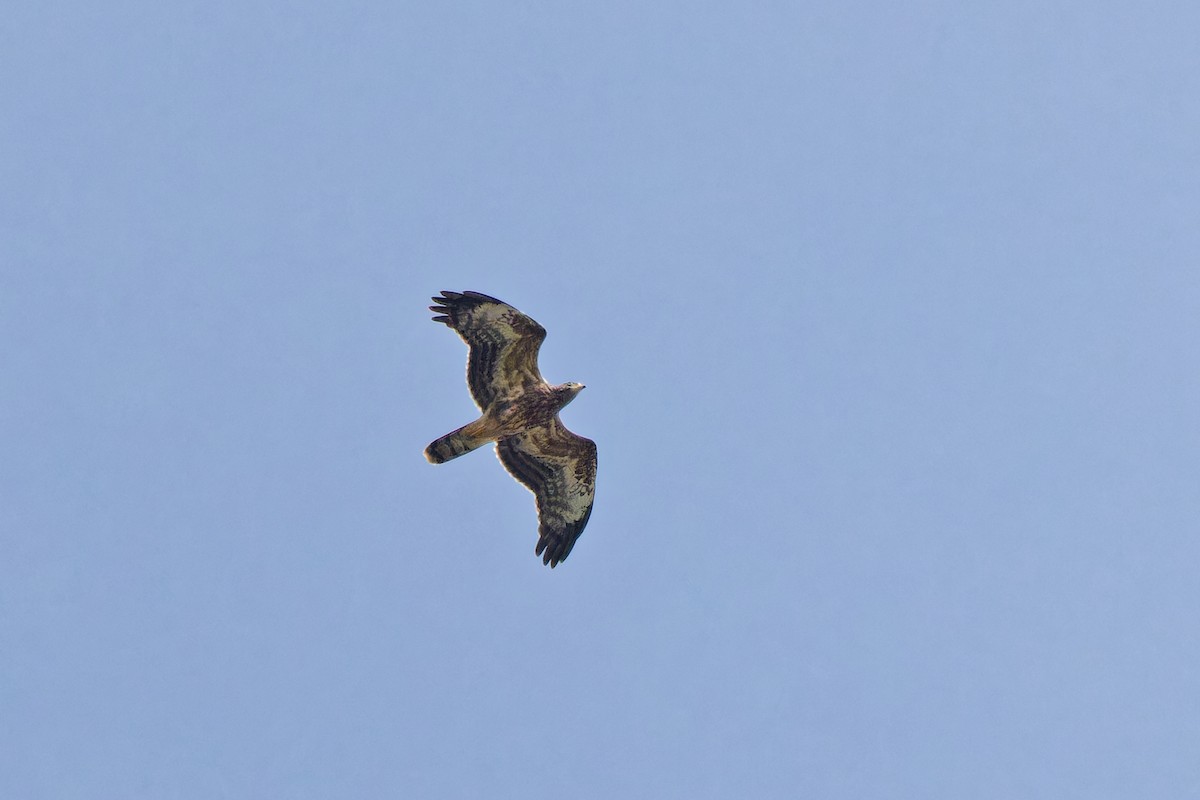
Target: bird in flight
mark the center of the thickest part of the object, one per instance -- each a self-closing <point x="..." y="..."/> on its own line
<point x="520" y="414"/>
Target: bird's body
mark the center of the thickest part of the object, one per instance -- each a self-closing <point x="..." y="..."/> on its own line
<point x="520" y="414"/>
<point x="505" y="417"/>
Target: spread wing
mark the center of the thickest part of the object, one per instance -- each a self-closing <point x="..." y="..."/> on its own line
<point x="503" y="344"/>
<point x="559" y="467"/>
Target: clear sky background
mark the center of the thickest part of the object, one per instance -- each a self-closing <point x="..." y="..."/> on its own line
<point x="888" y="317"/>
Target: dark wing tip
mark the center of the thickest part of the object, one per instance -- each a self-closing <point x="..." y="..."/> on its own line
<point x="472" y="298"/>
<point x="555" y="547"/>
<point x="482" y="297"/>
<point x="546" y="553"/>
<point x="451" y="302"/>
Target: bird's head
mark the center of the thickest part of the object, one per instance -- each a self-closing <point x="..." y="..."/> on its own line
<point x="568" y="390"/>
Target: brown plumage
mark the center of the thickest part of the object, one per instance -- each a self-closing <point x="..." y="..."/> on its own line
<point x="520" y="414"/>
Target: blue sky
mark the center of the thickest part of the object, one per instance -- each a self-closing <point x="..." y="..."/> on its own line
<point x="888" y="320"/>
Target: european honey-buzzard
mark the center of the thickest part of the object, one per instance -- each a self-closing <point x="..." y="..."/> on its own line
<point x="520" y="414"/>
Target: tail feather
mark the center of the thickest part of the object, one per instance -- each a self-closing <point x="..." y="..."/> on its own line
<point x="457" y="443"/>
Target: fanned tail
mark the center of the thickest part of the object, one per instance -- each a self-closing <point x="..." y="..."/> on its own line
<point x="457" y="443"/>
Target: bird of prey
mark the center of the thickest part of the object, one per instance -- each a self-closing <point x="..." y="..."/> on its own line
<point x="520" y="414"/>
